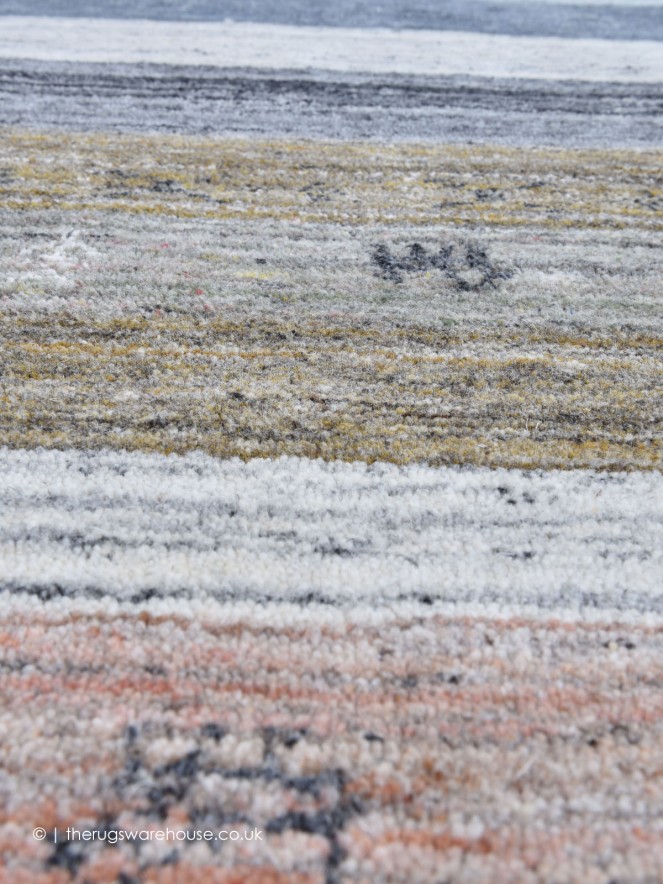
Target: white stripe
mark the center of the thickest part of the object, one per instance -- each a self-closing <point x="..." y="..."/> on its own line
<point x="230" y="44"/>
<point x="349" y="534"/>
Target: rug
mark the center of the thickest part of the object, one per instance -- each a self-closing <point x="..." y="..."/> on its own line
<point x="331" y="407"/>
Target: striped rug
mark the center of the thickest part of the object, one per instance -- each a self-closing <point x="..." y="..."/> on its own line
<point x="331" y="408"/>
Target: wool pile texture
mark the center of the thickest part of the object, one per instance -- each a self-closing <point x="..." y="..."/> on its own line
<point x="331" y="409"/>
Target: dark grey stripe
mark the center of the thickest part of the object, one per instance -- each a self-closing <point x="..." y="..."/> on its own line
<point x="523" y="18"/>
<point x="571" y="598"/>
<point x="129" y="98"/>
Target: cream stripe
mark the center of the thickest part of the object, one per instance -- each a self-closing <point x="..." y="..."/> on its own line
<point x="231" y="44"/>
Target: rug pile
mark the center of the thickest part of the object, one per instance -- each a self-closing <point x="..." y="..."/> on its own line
<point x="331" y="408"/>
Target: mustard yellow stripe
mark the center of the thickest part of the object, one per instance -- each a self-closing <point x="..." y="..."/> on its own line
<point x="275" y="388"/>
<point x="331" y="182"/>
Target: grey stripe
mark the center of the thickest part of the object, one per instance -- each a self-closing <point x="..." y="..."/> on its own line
<point x="521" y="18"/>
<point x="125" y="98"/>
